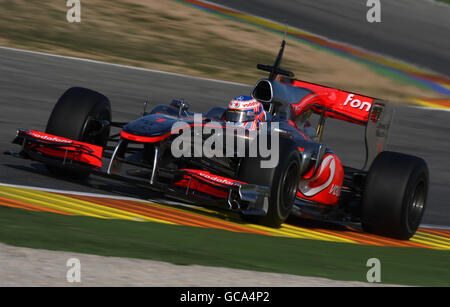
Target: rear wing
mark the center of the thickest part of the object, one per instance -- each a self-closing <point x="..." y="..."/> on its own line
<point x="375" y="114"/>
<point x="336" y="103"/>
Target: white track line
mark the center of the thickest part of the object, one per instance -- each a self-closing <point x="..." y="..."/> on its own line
<point x="69" y="192"/>
<point x="168" y="202"/>
<point x="162" y="72"/>
<point x="434" y="2"/>
<point x="121" y="66"/>
<point x="435" y="226"/>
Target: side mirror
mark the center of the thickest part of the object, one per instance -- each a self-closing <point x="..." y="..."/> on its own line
<point x="145" y="108"/>
<point x="180" y="104"/>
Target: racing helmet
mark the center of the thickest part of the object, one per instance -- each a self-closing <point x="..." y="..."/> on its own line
<point x="246" y="111"/>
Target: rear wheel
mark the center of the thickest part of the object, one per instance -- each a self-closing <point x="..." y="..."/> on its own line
<point x="282" y="181"/>
<point x="78" y="115"/>
<point x="395" y="195"/>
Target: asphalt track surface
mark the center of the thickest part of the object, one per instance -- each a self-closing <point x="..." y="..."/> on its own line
<point x="31" y="83"/>
<point x="416" y="31"/>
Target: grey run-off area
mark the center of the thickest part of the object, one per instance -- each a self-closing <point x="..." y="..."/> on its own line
<point x="415" y="31"/>
<point x="27" y="267"/>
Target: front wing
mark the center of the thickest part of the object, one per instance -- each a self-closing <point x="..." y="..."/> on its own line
<point x="192" y="185"/>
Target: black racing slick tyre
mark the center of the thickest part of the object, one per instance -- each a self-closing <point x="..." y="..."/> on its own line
<point x="77" y="115"/>
<point x="395" y="195"/>
<point x="282" y="181"/>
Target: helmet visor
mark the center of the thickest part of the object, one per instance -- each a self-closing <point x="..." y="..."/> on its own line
<point x="239" y="116"/>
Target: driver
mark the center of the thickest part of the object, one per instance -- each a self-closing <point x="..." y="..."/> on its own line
<point x="246" y="112"/>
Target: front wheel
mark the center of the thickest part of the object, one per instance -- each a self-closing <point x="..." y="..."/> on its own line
<point x="395" y="195"/>
<point x="76" y="116"/>
<point x="282" y="181"/>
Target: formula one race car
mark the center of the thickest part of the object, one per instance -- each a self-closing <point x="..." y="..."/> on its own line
<point x="297" y="175"/>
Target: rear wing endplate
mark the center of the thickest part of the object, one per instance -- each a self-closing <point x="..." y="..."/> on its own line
<point x="377" y="129"/>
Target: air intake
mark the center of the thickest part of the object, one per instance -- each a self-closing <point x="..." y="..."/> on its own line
<point x="275" y="92"/>
<point x="263" y="91"/>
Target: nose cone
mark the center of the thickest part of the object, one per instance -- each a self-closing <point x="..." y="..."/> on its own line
<point x="150" y="125"/>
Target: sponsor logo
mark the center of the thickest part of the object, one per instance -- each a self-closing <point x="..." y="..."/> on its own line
<point x="235" y="104"/>
<point x="243" y="104"/>
<point x="335" y="190"/>
<point x="357" y="103"/>
<point x="51" y="139"/>
<point x="216" y="179"/>
<point x="332" y="96"/>
<point x="304" y="184"/>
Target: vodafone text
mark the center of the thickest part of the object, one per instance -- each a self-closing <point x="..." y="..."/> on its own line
<point x="357" y="104"/>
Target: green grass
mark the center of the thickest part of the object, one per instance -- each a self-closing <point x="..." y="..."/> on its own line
<point x="445" y="1"/>
<point x="189" y="245"/>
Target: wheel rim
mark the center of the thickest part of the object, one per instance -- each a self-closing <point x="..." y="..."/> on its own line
<point x="289" y="187"/>
<point x="90" y="130"/>
<point x="417" y="205"/>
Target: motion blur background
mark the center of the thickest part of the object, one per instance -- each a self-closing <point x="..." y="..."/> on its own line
<point x="206" y="52"/>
